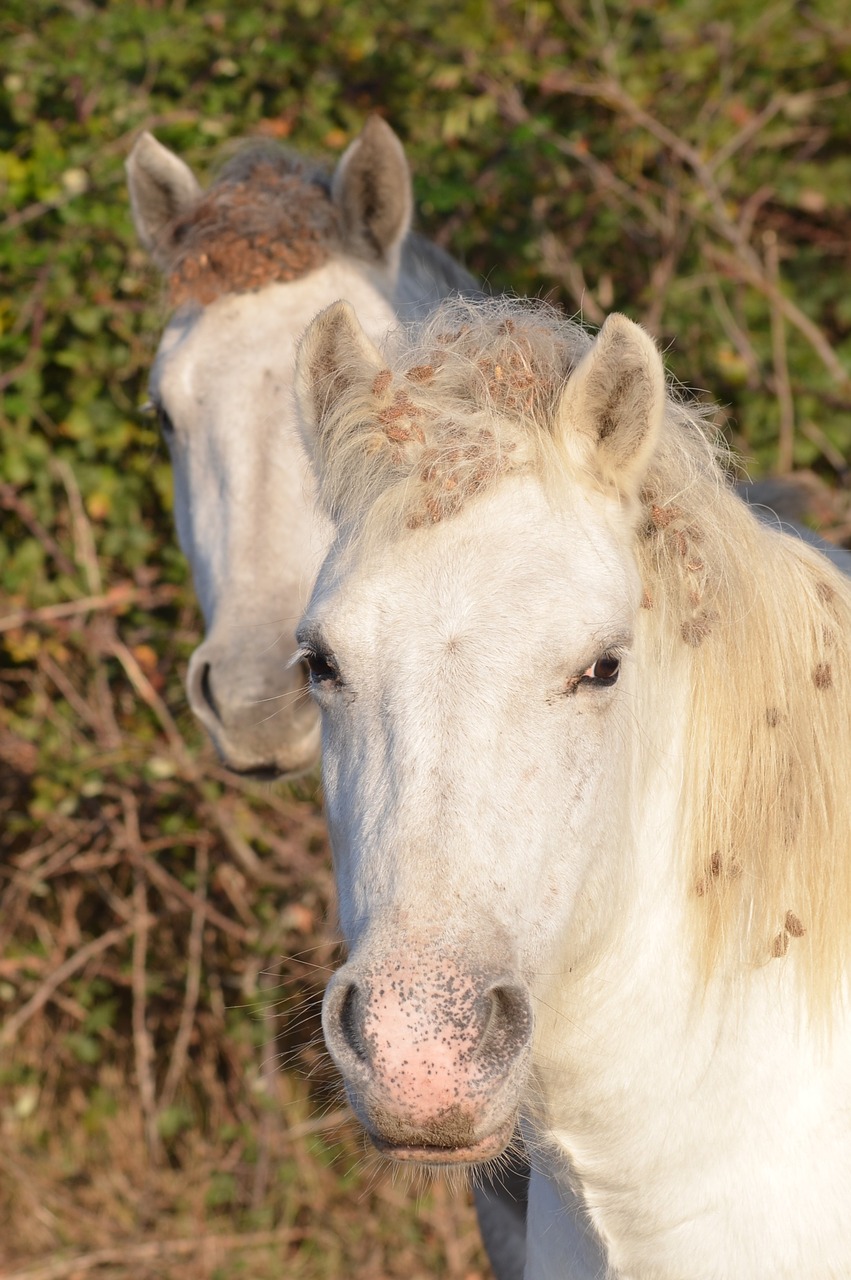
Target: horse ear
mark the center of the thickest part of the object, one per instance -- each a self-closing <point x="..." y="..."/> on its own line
<point x="161" y="188"/>
<point x="372" y="190"/>
<point x="613" y="403"/>
<point x="336" y="361"/>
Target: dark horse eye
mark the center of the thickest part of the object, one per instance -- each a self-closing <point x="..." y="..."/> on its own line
<point x="605" y="670"/>
<point x="166" y="424"/>
<point x="322" y="667"/>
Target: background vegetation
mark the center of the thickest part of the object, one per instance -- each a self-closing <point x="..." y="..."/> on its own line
<point x="164" y="1106"/>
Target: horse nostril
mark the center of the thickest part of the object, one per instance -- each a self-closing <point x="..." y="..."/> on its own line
<point x="350" y="1019"/>
<point x="207" y="691"/>
<point x="509" y="1025"/>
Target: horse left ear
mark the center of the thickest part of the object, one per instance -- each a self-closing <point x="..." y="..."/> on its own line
<point x="336" y="363"/>
<point x="372" y="190"/>
<point x="612" y="405"/>
<point x="162" y="188"/>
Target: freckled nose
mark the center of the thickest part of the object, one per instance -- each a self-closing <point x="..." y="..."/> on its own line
<point x="425" y="1046"/>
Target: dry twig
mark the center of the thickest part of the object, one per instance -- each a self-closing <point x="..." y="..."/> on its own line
<point x="116" y="599"/>
<point x="180" y="1051"/>
<point x="154" y="1250"/>
<point x="143" y="1048"/>
<point x="13" y="1025"/>
<point x="782" y="386"/>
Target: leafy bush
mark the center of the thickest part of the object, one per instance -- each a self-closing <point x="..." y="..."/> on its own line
<point x="686" y="162"/>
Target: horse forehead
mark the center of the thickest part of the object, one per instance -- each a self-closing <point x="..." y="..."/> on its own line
<point x="508" y="566"/>
<point x="245" y="332"/>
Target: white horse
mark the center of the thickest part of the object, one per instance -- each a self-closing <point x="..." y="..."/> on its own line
<point x="586" y="742"/>
<point x="248" y="263"/>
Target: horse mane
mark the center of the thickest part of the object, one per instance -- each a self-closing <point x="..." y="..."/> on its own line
<point x="428" y="275"/>
<point x="268" y="217"/>
<point x="766" y="621"/>
<point x="759" y="621"/>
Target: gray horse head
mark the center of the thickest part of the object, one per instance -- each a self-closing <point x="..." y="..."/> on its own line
<point x="247" y="264"/>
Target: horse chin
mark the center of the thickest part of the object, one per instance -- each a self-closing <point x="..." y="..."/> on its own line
<point x="435" y="1155"/>
<point x="272" y="772"/>
<point x="283" y="765"/>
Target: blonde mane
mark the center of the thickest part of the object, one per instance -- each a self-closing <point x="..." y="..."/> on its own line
<point x="761" y="620"/>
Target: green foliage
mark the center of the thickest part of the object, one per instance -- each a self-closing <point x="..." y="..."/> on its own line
<point x="551" y="145"/>
<point x="686" y="161"/>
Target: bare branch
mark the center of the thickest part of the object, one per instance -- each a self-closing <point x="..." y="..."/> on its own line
<point x="142" y="1045"/>
<point x="12" y="1026"/>
<point x="116" y="599"/>
<point x="739" y="269"/>
<point x="179" y="1054"/>
<point x="786" y="425"/>
<point x="151" y="1250"/>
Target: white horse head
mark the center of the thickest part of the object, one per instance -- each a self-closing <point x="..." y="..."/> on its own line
<point x="248" y="263"/>
<point x="583" y="761"/>
<point x="467" y="668"/>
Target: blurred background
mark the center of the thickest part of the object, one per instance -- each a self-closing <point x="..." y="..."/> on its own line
<point x="165" y="928"/>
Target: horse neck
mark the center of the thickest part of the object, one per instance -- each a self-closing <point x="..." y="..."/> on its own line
<point x="426" y="276"/>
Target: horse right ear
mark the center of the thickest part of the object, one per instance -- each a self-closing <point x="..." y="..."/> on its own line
<point x="161" y="188"/>
<point x="335" y="375"/>
<point x="372" y="191"/>
<point x="612" y="405"/>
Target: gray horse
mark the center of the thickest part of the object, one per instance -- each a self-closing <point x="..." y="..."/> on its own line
<point x="247" y="264"/>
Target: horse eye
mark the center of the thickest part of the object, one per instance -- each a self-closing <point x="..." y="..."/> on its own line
<point x="166" y="424"/>
<point x="604" y="671"/>
<point x="322" y="667"/>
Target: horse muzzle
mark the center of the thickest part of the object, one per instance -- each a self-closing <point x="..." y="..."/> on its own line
<point x="434" y="1058"/>
<point x="259" y="715"/>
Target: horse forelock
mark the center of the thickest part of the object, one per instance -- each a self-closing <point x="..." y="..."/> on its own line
<point x="268" y="218"/>
<point x="465" y="398"/>
<point x="760" y="621"/>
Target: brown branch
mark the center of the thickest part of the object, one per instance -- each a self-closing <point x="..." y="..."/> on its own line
<point x="116" y="599"/>
<point x="782" y="385"/>
<point x="515" y="111"/>
<point x="167" y="884"/>
<point x="153" y="1250"/>
<point x="739" y="269"/>
<point x="65" y="686"/>
<point x="748" y="131"/>
<point x="11" y="500"/>
<point x="85" y="551"/>
<point x="142" y="1045"/>
<point x="239" y="847"/>
<point x="734" y="331"/>
<point x="180" y="1052"/>
<point x="828" y="449"/>
<point x="36" y="312"/>
<point x="664" y="269"/>
<point x="269" y="1135"/>
<point x="149" y="695"/>
<point x="748" y="266"/>
<point x="561" y="266"/>
<point x="13" y="1025"/>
